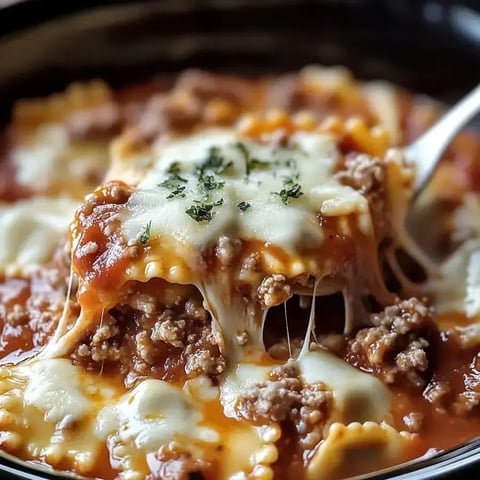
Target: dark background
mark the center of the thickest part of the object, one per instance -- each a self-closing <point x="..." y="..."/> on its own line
<point x="429" y="46"/>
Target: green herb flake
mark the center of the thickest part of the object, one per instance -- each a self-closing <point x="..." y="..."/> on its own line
<point x="203" y="212"/>
<point x="250" y="163"/>
<point x="243" y="206"/>
<point x="173" y="181"/>
<point x="144" y="235"/>
<point x="215" y="162"/>
<point x="209" y="184"/>
<point x="294" y="191"/>
<point x="178" y="192"/>
<point x="256" y="164"/>
<point x="174" y="168"/>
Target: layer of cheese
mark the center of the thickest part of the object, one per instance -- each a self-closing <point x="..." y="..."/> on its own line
<point x="358" y="396"/>
<point x="54" y="410"/>
<point x="31" y="229"/>
<point x="308" y="161"/>
<point x="48" y="159"/>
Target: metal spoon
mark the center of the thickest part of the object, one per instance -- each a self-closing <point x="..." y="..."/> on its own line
<point x="427" y="150"/>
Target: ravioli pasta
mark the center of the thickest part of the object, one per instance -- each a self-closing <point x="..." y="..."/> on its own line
<point x="216" y="280"/>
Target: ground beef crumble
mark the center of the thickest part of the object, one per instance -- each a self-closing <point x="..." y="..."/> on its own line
<point x="176" y="463"/>
<point x="367" y="175"/>
<point x="274" y="290"/>
<point x="397" y="347"/>
<point x="285" y="398"/>
<point x="31" y="307"/>
<point x="144" y="336"/>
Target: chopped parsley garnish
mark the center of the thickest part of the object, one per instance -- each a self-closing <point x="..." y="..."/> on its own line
<point x="178" y="192"/>
<point x="294" y="190"/>
<point x="208" y="183"/>
<point x="292" y="165"/>
<point x="174" y="168"/>
<point x="250" y="162"/>
<point x="144" y="235"/>
<point x="174" y="183"/>
<point x="215" y="162"/>
<point x="243" y="206"/>
<point x="203" y="212"/>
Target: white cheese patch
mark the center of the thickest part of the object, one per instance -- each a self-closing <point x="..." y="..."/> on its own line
<point x="54" y="386"/>
<point x="472" y="294"/>
<point x="308" y="161"/>
<point x="53" y="406"/>
<point x="49" y="158"/>
<point x="459" y="285"/>
<point x="238" y="380"/>
<point x="382" y="99"/>
<point x="358" y="396"/>
<point x="31" y="229"/>
<point x="152" y="414"/>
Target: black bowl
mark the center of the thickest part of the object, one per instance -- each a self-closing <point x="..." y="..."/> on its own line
<point x="430" y="47"/>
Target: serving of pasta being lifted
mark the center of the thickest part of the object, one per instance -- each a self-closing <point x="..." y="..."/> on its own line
<point x="216" y="277"/>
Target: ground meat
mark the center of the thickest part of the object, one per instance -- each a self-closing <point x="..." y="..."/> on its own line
<point x="168" y="337"/>
<point x="205" y="85"/>
<point x="196" y="98"/>
<point x="18" y="315"/>
<point x="227" y="250"/>
<point x="364" y="173"/>
<point x="467" y="337"/>
<point x="87" y="249"/>
<point x="101" y="122"/>
<point x="466" y="402"/>
<point x="168" y="329"/>
<point x="166" y="112"/>
<point x="413" y="421"/>
<point x="172" y="462"/>
<point x="286" y="93"/>
<point x="30" y="308"/>
<point x="274" y="290"/>
<point x="438" y="392"/>
<point x="284" y="398"/>
<point x="367" y="175"/>
<point x="396" y="348"/>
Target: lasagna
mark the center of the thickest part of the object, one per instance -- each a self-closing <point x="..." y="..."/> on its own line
<point x="216" y="277"/>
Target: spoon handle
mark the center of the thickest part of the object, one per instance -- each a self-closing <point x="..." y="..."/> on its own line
<point x="427" y="150"/>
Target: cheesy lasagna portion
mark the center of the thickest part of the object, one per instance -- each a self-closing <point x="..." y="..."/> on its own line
<point x="239" y="297"/>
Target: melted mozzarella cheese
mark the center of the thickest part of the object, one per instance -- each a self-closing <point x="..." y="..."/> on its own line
<point x="358" y="396"/>
<point x="48" y="159"/>
<point x="47" y="408"/>
<point x="382" y="99"/>
<point x="152" y="414"/>
<point x="458" y="288"/>
<point x="54" y="387"/>
<point x="240" y="379"/>
<point x="308" y="161"/>
<point x="30" y="230"/>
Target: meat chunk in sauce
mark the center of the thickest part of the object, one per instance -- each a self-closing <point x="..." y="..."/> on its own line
<point x="397" y="347"/>
<point x="145" y="336"/>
